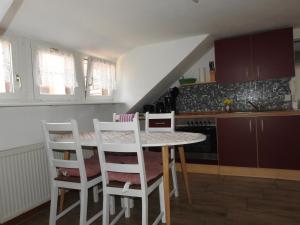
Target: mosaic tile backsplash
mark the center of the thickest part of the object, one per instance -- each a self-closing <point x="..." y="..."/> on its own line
<point x="267" y="95"/>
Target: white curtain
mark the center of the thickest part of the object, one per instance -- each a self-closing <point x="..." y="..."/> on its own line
<point x="6" y="81"/>
<point x="101" y="77"/>
<point x="55" y="72"/>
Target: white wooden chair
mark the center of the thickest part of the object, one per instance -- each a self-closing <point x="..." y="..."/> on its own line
<point x="123" y="117"/>
<point x="126" y="117"/>
<point x="134" y="179"/>
<point x="164" y="122"/>
<point x="81" y="176"/>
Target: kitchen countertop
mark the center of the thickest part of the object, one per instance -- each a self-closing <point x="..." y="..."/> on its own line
<point x="215" y="114"/>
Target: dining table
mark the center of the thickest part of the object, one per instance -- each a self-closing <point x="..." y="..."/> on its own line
<point x="155" y="139"/>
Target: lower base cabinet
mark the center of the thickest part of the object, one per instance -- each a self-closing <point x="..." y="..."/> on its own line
<point x="237" y="141"/>
<point x="264" y="142"/>
<point x="279" y="142"/>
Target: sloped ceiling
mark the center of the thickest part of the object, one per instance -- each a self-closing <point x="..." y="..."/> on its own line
<point x="109" y="28"/>
<point x="4" y="6"/>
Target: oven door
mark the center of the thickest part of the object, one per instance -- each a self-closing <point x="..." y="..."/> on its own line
<point x="202" y="152"/>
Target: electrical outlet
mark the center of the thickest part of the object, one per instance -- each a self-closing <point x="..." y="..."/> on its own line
<point x="287" y="98"/>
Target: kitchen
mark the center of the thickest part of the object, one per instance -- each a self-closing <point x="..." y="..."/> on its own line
<point x="257" y="133"/>
<point x="247" y="171"/>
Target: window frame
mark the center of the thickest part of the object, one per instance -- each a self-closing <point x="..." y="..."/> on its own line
<point x="35" y="47"/>
<point x="15" y="55"/>
<point x="95" y="98"/>
<point x="23" y="51"/>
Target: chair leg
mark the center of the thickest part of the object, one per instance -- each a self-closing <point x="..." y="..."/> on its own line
<point x="131" y="203"/>
<point x="145" y="210"/>
<point x="61" y="199"/>
<point x="112" y="205"/>
<point x="127" y="206"/>
<point x="95" y="194"/>
<point x="53" y="206"/>
<point x="83" y="206"/>
<point x="106" y="209"/>
<point x="162" y="202"/>
<point x="174" y="175"/>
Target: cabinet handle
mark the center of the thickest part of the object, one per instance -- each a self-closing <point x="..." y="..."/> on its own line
<point x="258" y="71"/>
<point x="159" y="123"/>
<point x="262" y="125"/>
<point x="250" y="125"/>
<point x="247" y="72"/>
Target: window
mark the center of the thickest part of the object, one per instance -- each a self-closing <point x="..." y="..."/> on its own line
<point x="55" y="72"/>
<point x="6" y="68"/>
<point x="101" y="77"/>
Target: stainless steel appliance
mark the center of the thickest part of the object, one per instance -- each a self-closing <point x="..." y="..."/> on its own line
<point x="202" y="152"/>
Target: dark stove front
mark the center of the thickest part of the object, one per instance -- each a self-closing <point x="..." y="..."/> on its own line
<point x="202" y="152"/>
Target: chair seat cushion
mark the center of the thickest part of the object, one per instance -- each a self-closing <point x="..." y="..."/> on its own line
<point x="149" y="157"/>
<point x="92" y="167"/>
<point x="153" y="157"/>
<point x="153" y="169"/>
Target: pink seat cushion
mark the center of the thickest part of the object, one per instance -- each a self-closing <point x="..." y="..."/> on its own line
<point x="92" y="168"/>
<point x="153" y="167"/>
<point x="149" y="157"/>
<point x="153" y="170"/>
<point x="153" y="157"/>
<point x="126" y="117"/>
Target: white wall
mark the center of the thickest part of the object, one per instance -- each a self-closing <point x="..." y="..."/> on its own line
<point x="143" y="68"/>
<point x="297" y="81"/>
<point x="21" y="126"/>
<point x="201" y="65"/>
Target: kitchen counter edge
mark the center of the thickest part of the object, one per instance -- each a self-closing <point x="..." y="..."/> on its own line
<point x="194" y="115"/>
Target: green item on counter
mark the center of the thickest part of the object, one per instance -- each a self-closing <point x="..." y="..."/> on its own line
<point x="187" y="80"/>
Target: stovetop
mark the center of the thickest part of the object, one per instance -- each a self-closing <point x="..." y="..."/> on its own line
<point x="197" y="122"/>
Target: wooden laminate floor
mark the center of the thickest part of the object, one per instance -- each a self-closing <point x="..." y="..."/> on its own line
<point x="217" y="200"/>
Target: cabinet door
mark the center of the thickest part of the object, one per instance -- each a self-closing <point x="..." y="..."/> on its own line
<point x="273" y="54"/>
<point x="279" y="142"/>
<point x="237" y="142"/>
<point x="233" y="60"/>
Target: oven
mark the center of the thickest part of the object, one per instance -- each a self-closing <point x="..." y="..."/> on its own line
<point x="203" y="152"/>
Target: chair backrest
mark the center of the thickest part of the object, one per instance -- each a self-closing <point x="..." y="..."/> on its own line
<point x="62" y="137"/>
<point x="126" y="117"/>
<point x="160" y="122"/>
<point x="121" y="147"/>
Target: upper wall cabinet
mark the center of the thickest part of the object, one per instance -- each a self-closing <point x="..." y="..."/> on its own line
<point x="261" y="56"/>
<point x="273" y="54"/>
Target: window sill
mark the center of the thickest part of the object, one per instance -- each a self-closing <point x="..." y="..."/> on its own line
<point x="21" y="104"/>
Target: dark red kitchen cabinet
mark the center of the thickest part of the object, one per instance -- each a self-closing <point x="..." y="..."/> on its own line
<point x="233" y="60"/>
<point x="261" y="56"/>
<point x="237" y="141"/>
<point x="279" y="142"/>
<point x="273" y="54"/>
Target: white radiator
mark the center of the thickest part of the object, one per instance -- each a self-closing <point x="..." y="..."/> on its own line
<point x="24" y="180"/>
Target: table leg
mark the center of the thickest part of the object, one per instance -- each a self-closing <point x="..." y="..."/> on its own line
<point x="62" y="191"/>
<point x="166" y="180"/>
<point x="184" y="173"/>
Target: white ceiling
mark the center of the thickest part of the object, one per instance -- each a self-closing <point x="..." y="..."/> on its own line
<point x="109" y="28"/>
